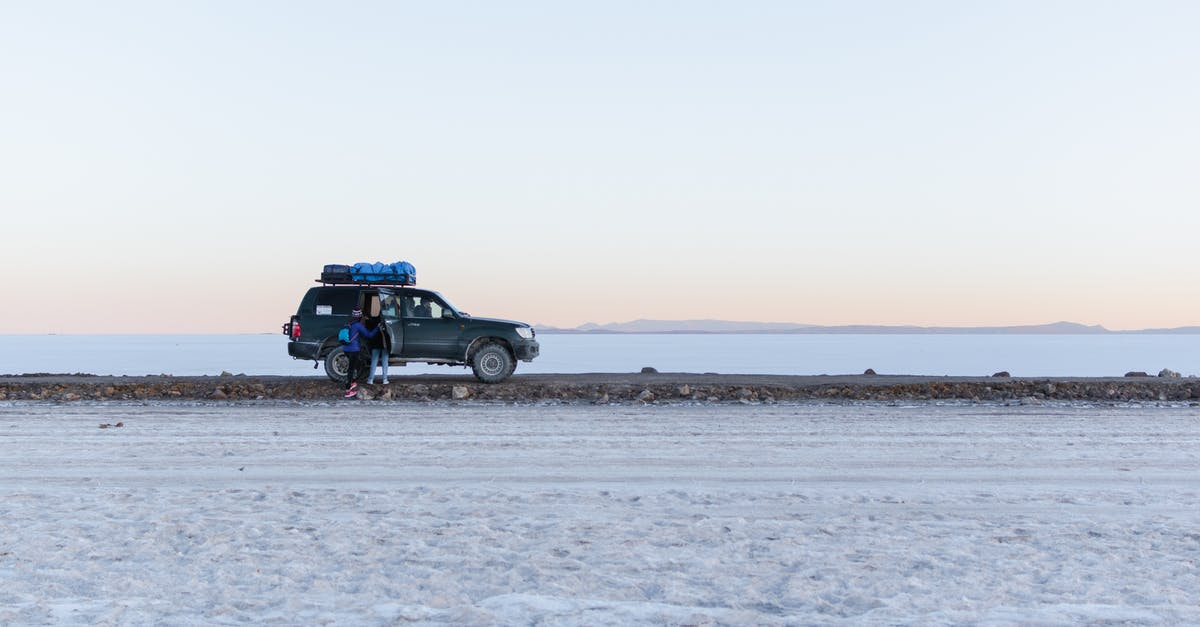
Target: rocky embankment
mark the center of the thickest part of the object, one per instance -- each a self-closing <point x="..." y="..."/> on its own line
<point x="607" y="388"/>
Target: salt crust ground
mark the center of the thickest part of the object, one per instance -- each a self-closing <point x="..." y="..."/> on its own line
<point x="787" y="514"/>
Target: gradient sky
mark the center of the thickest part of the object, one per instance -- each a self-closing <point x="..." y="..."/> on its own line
<point x="190" y="166"/>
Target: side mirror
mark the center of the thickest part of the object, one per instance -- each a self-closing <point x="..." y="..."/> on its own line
<point x="446" y="313"/>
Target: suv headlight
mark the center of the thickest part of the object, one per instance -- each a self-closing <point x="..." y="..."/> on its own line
<point x="525" y="332"/>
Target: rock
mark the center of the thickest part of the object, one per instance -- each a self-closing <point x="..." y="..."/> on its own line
<point x="870" y="372"/>
<point x="226" y="373"/>
<point x="685" y="390"/>
<point x="646" y="396"/>
<point x="1136" y="373"/>
<point x="713" y="399"/>
<point x="1170" y="374"/>
<point x="602" y="399"/>
<point x="365" y="393"/>
<point x="649" y="370"/>
<point x="218" y="394"/>
<point x="1002" y="373"/>
<point x="460" y="392"/>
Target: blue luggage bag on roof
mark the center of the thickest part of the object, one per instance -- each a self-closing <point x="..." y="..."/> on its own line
<point x="404" y="272"/>
<point x="360" y="270"/>
<point x="379" y="272"/>
<point x="399" y="273"/>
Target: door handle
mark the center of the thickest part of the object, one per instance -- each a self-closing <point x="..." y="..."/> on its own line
<point x="414" y="324"/>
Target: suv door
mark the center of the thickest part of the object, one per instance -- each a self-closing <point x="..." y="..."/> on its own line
<point x="430" y="327"/>
<point x="389" y="312"/>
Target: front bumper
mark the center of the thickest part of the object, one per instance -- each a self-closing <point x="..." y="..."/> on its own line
<point x="526" y="350"/>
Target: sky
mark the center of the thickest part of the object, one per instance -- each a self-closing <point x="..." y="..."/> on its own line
<point x="191" y="166"/>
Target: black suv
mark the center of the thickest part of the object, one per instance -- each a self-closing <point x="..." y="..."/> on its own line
<point x="419" y="326"/>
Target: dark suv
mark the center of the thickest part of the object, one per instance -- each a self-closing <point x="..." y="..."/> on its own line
<point x="419" y="326"/>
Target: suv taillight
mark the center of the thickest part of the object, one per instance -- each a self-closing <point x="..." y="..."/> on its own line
<point x="295" y="329"/>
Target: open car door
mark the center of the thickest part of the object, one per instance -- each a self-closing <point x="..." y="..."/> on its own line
<point x="389" y="312"/>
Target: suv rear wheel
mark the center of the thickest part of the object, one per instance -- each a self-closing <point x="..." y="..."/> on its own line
<point x="337" y="367"/>
<point x="492" y="363"/>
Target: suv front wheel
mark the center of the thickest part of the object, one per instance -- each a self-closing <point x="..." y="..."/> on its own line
<point x="492" y="363"/>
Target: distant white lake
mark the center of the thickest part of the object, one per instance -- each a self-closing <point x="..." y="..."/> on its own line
<point x="955" y="355"/>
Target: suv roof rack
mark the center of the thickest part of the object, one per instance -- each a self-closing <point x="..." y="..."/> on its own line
<point x="365" y="283"/>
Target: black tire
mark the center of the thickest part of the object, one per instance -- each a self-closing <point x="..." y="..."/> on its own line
<point x="492" y="363"/>
<point x="337" y="367"/>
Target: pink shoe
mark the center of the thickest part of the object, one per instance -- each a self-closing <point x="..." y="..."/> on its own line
<point x="351" y="393"/>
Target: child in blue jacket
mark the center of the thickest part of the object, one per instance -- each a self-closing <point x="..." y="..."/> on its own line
<point x="352" y="350"/>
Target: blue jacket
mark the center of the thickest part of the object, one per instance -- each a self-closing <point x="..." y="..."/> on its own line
<point x="357" y="329"/>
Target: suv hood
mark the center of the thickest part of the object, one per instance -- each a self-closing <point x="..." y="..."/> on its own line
<point x="514" y="323"/>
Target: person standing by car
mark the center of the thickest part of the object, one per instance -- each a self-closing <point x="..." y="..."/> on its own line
<point x="379" y="352"/>
<point x="353" y="350"/>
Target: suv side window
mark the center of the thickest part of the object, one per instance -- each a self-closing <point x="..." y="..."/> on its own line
<point x="422" y="307"/>
<point x="390" y="309"/>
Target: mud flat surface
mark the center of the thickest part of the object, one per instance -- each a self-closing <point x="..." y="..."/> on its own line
<point x="606" y="388"/>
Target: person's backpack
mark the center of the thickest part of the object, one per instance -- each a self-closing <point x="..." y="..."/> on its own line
<point x="344" y="335"/>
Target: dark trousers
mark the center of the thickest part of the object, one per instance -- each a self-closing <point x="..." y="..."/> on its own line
<point x="353" y="367"/>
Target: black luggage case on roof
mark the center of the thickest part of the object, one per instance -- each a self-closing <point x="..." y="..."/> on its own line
<point x="335" y="273"/>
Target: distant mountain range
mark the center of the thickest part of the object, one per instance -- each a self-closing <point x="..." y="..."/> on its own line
<point x="731" y="326"/>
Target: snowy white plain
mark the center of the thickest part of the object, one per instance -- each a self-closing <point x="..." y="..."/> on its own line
<point x="361" y="513"/>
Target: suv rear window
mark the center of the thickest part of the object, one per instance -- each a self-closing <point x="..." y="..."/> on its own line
<point x="341" y="302"/>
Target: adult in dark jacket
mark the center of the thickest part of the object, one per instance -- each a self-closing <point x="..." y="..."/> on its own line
<point x="378" y="348"/>
<point x="353" y="350"/>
